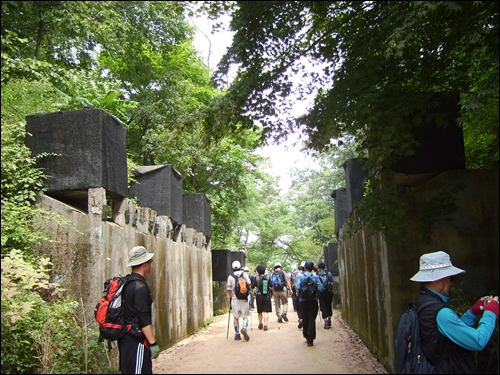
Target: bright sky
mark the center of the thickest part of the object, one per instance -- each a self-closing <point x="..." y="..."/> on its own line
<point x="284" y="156"/>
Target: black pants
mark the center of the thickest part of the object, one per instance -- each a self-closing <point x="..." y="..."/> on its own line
<point x="308" y="312"/>
<point x="325" y="304"/>
<point x="295" y="300"/>
<point x="135" y="357"/>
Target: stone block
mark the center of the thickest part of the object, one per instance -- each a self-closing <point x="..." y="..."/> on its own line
<point x="441" y="146"/>
<point x="333" y="257"/>
<point x="92" y="147"/>
<point x="240" y="256"/>
<point x="221" y="264"/>
<point x="341" y="212"/>
<point x="159" y="188"/>
<point x="355" y="178"/>
<point x="197" y="213"/>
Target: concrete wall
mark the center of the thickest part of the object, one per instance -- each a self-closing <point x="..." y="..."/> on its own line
<point x="90" y="250"/>
<point x="374" y="277"/>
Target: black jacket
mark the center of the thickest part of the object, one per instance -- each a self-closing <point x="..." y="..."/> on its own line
<point x="440" y="350"/>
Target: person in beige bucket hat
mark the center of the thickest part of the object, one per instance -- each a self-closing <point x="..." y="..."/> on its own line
<point x="446" y="338"/>
<point x="139" y="347"/>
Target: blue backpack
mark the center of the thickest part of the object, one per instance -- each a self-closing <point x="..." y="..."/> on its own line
<point x="409" y="357"/>
<point x="277" y="280"/>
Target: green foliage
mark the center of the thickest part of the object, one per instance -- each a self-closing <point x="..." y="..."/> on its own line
<point x="40" y="333"/>
<point x="481" y="137"/>
<point x="381" y="211"/>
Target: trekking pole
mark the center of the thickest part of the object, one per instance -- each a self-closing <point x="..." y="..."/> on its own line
<point x="228" y="317"/>
<point x="251" y="327"/>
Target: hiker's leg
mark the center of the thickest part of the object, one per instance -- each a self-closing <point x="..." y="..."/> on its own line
<point x="284" y="303"/>
<point x="277" y="303"/>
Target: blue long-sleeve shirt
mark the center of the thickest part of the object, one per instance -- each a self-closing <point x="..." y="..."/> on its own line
<point x="461" y="330"/>
<point x="303" y="276"/>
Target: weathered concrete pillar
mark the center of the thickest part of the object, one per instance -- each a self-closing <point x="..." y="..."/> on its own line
<point x="355" y="178"/>
<point x="97" y="238"/>
<point x="340" y="208"/>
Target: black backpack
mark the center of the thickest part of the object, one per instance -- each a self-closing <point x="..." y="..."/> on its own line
<point x="323" y="277"/>
<point x="308" y="289"/>
<point x="241" y="288"/>
<point x="409" y="357"/>
<point x="263" y="287"/>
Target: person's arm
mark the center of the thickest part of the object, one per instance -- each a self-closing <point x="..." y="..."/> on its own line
<point x="458" y="331"/>
<point x="229" y="286"/>
<point x="148" y="332"/>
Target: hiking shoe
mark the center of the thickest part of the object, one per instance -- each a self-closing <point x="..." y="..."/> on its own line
<point x="301" y="323"/>
<point x="280" y="320"/>
<point x="265" y="328"/>
<point x="310" y="343"/>
<point x="237" y="336"/>
<point x="245" y="334"/>
<point x="260" y="326"/>
<point x="284" y="317"/>
<point x="326" y="325"/>
<point x="329" y="322"/>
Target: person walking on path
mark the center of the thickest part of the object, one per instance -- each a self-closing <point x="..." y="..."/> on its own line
<point x="138" y="347"/>
<point x="250" y="292"/>
<point x="447" y="339"/>
<point x="240" y="307"/>
<point x="261" y="283"/>
<point x="308" y="303"/>
<point x="326" y="296"/>
<point x="280" y="287"/>
<point x="295" y="296"/>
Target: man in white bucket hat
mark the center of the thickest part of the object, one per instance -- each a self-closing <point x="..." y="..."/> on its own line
<point x="446" y="338"/>
<point x="138" y="347"/>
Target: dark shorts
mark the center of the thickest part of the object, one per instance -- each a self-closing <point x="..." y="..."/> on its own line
<point x="264" y="303"/>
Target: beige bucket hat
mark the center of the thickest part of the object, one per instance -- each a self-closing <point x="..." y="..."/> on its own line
<point x="138" y="255"/>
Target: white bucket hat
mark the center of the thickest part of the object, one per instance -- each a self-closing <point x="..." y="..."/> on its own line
<point x="139" y="255"/>
<point x="236" y="265"/>
<point x="435" y="266"/>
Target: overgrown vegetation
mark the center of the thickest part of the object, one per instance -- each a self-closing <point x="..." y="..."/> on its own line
<point x="136" y="61"/>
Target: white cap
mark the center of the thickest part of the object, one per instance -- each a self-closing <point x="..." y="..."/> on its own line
<point x="303" y="264"/>
<point x="236" y="265"/>
<point x="277" y="264"/>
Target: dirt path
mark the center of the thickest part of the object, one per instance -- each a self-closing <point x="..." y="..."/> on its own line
<point x="281" y="349"/>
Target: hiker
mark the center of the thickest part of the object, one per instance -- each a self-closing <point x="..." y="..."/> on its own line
<point x="447" y="339"/>
<point x="261" y="283"/>
<point x="326" y="296"/>
<point x="250" y="292"/>
<point x="240" y="307"/>
<point x="280" y="287"/>
<point x="308" y="305"/>
<point x="295" y="296"/>
<point x="138" y="347"/>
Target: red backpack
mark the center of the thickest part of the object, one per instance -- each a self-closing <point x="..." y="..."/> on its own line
<point x="108" y="311"/>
